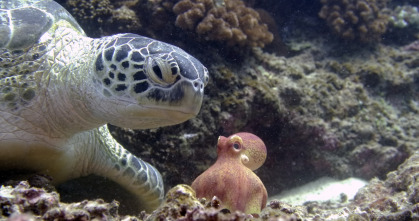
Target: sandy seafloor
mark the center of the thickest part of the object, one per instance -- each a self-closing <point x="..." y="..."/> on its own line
<point x="324" y="105"/>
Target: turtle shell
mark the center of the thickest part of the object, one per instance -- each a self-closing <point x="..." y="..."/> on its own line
<point x="23" y="22"/>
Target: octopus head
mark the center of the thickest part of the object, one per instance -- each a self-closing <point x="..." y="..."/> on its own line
<point x="248" y="147"/>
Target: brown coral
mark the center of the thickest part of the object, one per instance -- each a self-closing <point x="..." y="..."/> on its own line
<point x="362" y="20"/>
<point x="228" y="21"/>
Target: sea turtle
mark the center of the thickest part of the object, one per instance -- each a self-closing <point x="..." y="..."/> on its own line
<point x="59" y="88"/>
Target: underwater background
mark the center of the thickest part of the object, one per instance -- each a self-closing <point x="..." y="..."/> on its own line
<point x="330" y="86"/>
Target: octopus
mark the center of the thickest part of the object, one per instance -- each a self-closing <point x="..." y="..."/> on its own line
<point x="231" y="178"/>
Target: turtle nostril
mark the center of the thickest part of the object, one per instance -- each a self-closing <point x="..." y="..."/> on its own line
<point x="198" y="85"/>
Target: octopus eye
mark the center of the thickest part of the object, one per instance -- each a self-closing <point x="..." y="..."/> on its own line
<point x="236" y="146"/>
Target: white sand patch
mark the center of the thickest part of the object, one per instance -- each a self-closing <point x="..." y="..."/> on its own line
<point x="323" y="189"/>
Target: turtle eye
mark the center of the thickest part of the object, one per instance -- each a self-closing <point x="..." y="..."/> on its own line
<point x="160" y="71"/>
<point x="236" y="146"/>
<point x="157" y="70"/>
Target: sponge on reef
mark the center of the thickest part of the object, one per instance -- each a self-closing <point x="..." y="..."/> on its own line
<point x="227" y="21"/>
<point x="363" y="20"/>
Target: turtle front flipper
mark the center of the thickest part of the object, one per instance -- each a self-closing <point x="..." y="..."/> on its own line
<point x="105" y="157"/>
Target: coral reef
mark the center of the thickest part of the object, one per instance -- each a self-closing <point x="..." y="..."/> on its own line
<point x="227" y="21"/>
<point x="231" y="178"/>
<point x="362" y="20"/>
<point x="100" y="18"/>
<point x="404" y="16"/>
<point x="25" y="203"/>
<point x="93" y="10"/>
<point x="351" y="120"/>
<point x="395" y="198"/>
<point x="159" y="17"/>
<point x="413" y="46"/>
<point x="90" y="14"/>
<point x="124" y="19"/>
<point x="179" y="200"/>
<point x="182" y="204"/>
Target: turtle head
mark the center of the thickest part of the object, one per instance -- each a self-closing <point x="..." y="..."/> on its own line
<point x="146" y="83"/>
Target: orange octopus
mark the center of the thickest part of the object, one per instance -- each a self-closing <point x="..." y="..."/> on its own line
<point x="231" y="177"/>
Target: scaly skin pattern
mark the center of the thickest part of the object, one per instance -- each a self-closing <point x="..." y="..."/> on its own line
<point x="230" y="177"/>
<point x="60" y="88"/>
